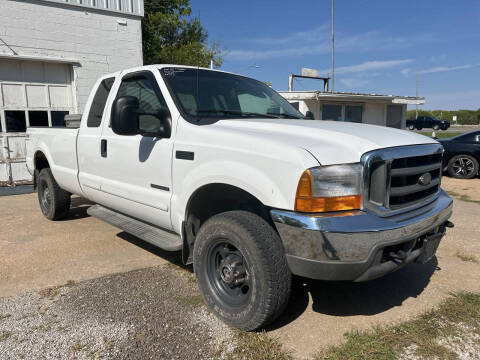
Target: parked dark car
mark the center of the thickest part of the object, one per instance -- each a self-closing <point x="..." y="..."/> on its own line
<point x="428" y="122"/>
<point x="462" y="155"/>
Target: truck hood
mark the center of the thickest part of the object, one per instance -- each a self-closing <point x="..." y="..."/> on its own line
<point x="330" y="142"/>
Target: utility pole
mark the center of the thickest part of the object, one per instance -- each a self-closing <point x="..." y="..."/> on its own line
<point x="333" y="46"/>
<point x="416" y="106"/>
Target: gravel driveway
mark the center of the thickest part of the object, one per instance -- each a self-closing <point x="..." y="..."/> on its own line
<point x="153" y="313"/>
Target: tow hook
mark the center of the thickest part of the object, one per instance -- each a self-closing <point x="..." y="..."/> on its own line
<point x="449" y="224"/>
<point x="399" y="255"/>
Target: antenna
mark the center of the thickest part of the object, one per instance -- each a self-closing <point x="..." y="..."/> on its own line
<point x="333" y="46"/>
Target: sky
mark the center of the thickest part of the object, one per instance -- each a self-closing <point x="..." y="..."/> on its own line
<point x="380" y="45"/>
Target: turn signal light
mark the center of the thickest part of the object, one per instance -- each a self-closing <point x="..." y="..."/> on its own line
<point x="305" y="201"/>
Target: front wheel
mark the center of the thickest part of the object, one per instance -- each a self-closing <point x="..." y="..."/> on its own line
<point x="436" y="127"/>
<point x="463" y="167"/>
<point x="54" y="201"/>
<point x="241" y="269"/>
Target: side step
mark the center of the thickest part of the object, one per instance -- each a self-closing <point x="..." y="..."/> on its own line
<point x="163" y="239"/>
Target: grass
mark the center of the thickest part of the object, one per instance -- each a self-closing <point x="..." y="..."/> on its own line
<point x="253" y="345"/>
<point x="4" y="316"/>
<point x="466" y="257"/>
<point x="440" y="134"/>
<point x="5" y="335"/>
<point x="77" y="346"/>
<point x="185" y="271"/>
<point x="192" y="300"/>
<point x="421" y="335"/>
<point x="51" y="292"/>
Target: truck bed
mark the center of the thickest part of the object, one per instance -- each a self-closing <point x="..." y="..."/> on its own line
<point x="59" y="145"/>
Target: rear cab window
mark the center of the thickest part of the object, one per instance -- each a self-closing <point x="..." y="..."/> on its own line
<point x="98" y="104"/>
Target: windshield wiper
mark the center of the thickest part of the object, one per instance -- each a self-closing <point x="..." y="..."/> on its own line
<point x="287" y="116"/>
<point x="237" y="113"/>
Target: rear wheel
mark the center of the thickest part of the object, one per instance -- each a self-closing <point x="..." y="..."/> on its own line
<point x="419" y="128"/>
<point x="411" y="127"/>
<point x="241" y="269"/>
<point x="463" y="167"/>
<point x="54" y="201"/>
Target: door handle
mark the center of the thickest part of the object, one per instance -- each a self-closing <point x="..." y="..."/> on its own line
<point x="103" y="148"/>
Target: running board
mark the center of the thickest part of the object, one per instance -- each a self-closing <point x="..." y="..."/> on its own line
<point x="163" y="239"/>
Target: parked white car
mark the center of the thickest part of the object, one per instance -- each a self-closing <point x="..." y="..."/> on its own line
<point x="224" y="169"/>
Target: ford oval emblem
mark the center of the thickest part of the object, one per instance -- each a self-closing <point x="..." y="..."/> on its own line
<point x="425" y="179"/>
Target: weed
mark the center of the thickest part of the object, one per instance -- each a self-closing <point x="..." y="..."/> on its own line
<point x="421" y="334"/>
<point x="466" y="257"/>
<point x="253" y="345"/>
<point x="192" y="300"/>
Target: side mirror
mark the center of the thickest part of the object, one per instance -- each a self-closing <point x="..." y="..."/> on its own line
<point x="155" y="124"/>
<point x="124" y="117"/>
<point x="309" y="115"/>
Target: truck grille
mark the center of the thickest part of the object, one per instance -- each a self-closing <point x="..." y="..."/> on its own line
<point x="400" y="178"/>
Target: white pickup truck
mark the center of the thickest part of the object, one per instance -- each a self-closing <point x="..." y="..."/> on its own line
<point x="221" y="167"/>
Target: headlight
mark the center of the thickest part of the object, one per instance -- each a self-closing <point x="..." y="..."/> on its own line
<point x="330" y="188"/>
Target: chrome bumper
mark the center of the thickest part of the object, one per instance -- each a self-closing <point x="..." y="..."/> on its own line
<point x="340" y="246"/>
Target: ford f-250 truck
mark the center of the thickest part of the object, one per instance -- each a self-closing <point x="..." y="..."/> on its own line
<point x="224" y="169"/>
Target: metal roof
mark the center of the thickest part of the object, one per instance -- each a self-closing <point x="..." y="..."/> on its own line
<point x="351" y="96"/>
<point x="128" y="7"/>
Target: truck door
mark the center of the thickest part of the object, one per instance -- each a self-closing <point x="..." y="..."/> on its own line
<point x="88" y="143"/>
<point x="136" y="169"/>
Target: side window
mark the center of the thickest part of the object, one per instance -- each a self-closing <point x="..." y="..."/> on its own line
<point x="98" y="103"/>
<point x="149" y="98"/>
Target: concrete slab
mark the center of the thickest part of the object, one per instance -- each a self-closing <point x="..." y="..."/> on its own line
<point x="37" y="253"/>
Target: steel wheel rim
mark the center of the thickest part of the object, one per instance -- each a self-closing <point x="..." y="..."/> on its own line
<point x="45" y="197"/>
<point x="463" y="166"/>
<point x="229" y="275"/>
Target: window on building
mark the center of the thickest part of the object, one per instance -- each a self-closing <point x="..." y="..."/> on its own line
<point x="15" y="121"/>
<point x="342" y="112"/>
<point x="58" y="118"/>
<point x="394" y="116"/>
<point x="38" y="118"/>
<point x="149" y="99"/>
<point x="98" y="103"/>
<point x="353" y="113"/>
<point x="332" y="112"/>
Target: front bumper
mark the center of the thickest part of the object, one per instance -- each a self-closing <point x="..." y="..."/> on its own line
<point x="360" y="246"/>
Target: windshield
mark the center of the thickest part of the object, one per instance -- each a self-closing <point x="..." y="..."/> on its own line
<point x="206" y="96"/>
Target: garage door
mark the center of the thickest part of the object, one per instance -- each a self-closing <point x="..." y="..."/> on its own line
<point x="32" y="93"/>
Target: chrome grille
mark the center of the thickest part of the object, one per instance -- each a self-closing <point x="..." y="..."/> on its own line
<point x="401" y="178"/>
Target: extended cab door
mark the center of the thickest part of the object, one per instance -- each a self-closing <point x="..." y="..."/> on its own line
<point x="136" y="169"/>
<point x="88" y="143"/>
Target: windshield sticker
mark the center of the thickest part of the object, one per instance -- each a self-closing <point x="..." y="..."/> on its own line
<point x="173" y="71"/>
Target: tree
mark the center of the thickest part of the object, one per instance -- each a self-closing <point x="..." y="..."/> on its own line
<point x="172" y="36"/>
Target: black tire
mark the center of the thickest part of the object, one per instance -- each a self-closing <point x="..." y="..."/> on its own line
<point x="411" y="127"/>
<point x="419" y="128"/>
<point x="54" y="201"/>
<point x="463" y="167"/>
<point x="436" y="127"/>
<point x="243" y="244"/>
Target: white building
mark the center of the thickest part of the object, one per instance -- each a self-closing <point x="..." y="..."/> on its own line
<point x="385" y="110"/>
<point x="51" y="53"/>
